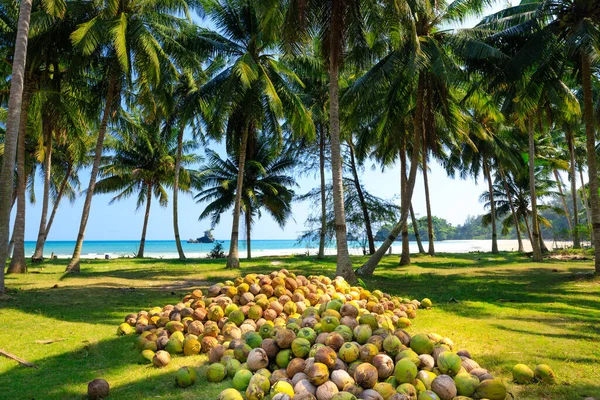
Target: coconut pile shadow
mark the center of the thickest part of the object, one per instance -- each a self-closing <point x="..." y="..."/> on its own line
<point x="286" y="336"/>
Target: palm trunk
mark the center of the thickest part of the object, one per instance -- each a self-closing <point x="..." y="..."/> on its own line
<point x="575" y="227"/>
<point x="529" y="234"/>
<point x="17" y="262"/>
<point x="11" y="244"/>
<point x="176" y="194"/>
<point x="586" y="75"/>
<point x="543" y="247"/>
<point x="369" y="267"/>
<point x="431" y="250"/>
<point x="323" y="198"/>
<point x="586" y="204"/>
<point x="361" y="198"/>
<point x="343" y="262"/>
<point x="233" y="259"/>
<point x="535" y="241"/>
<point x="415" y="226"/>
<point x="59" y="196"/>
<point x="562" y="198"/>
<point x="73" y="266"/>
<point x="38" y="255"/>
<point x="12" y="130"/>
<point x="248" y="218"/>
<point x="140" y="253"/>
<point x="513" y="212"/>
<point x="405" y="255"/>
<point x="488" y="175"/>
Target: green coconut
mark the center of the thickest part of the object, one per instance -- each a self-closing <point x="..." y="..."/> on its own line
<point x="409" y="354"/>
<point x="308" y="334"/>
<point x="428" y="395"/>
<point x="449" y="363"/>
<point x="408" y="389"/>
<point x="146" y="356"/>
<point x="392" y="345"/>
<point x="124" y="329"/>
<point x="266" y="331"/>
<point x="241" y="379"/>
<point x="522" y="374"/>
<point x="362" y="333"/>
<point x="367" y="352"/>
<point x="253" y="339"/>
<point x="466" y="384"/>
<point x="427" y="377"/>
<point x="174" y="346"/>
<point x="386" y="390"/>
<point x="232" y="366"/>
<point x="283" y="358"/>
<point x="282" y="387"/>
<point x="545" y="374"/>
<point x="349" y="352"/>
<point x="230" y="394"/>
<point x="368" y="319"/>
<point x="492" y="389"/>
<point x="254" y="392"/>
<point x="216" y="372"/>
<point x="300" y="347"/>
<point x="343" y="396"/>
<point x="186" y="376"/>
<point x="261" y="381"/>
<point x="421" y="344"/>
<point x="241" y="352"/>
<point x="405" y="371"/>
<point x="426" y="303"/>
<point x="345" y="331"/>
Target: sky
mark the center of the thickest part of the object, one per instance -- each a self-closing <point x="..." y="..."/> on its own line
<point x="451" y="199"/>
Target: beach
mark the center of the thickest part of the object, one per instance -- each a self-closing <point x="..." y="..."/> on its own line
<point x="166" y="248"/>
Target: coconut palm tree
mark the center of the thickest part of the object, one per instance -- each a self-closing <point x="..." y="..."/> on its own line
<point x="267" y="185"/>
<point x="129" y="41"/>
<point x="143" y="161"/>
<point x="254" y="92"/>
<point x="13" y="121"/>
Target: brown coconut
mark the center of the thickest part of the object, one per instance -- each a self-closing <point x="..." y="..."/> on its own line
<point x="341" y="378"/>
<point x="257" y="359"/>
<point x="334" y="340"/>
<point x="444" y="387"/>
<point x="326" y="355"/>
<point x="318" y="373"/>
<point x="284" y="338"/>
<point x="384" y="365"/>
<point x="366" y="375"/>
<point x="326" y="391"/>
<point x="295" y="366"/>
<point x="98" y="389"/>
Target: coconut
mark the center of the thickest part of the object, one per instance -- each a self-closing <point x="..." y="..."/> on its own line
<point x="241" y="379"/>
<point x="281" y="396"/>
<point x="427" y="362"/>
<point x="384" y="365"/>
<point x="270" y="347"/>
<point x="376" y="340"/>
<point x="254" y="392"/>
<point x="326" y="355"/>
<point x="257" y="359"/>
<point x="349" y="352"/>
<point x="233" y="366"/>
<point x="282" y="387"/>
<point x="427" y="377"/>
<point x="444" y="387"/>
<point x="482" y="374"/>
<point x="362" y="333"/>
<point x="366" y="375"/>
<point x="261" y="381"/>
<point x="318" y="373"/>
<point x="343" y="396"/>
<point x="367" y="352"/>
<point x="392" y="345"/>
<point x="411" y="355"/>
<point x="492" y="389"/>
<point x="284" y="338"/>
<point x="300" y="347"/>
<point x="161" y="359"/>
<point x="304" y="386"/>
<point x="216" y="372"/>
<point x="216" y="353"/>
<point x="186" y="376"/>
<point x="522" y="374"/>
<point x="399" y="396"/>
<point x="386" y="390"/>
<point x="545" y="374"/>
<point x="326" y="391"/>
<point x="283" y="358"/>
<point x="341" y="378"/>
<point x="428" y="395"/>
<point x="339" y="365"/>
<point x="426" y="303"/>
<point x="449" y="363"/>
<point x="298" y="377"/>
<point x="230" y="394"/>
<point x="405" y="371"/>
<point x="466" y="384"/>
<point x="421" y="344"/>
<point x="278" y="375"/>
<point x="98" y="389"/>
<point x="295" y="366"/>
<point x="334" y="340"/>
<point x="370" y="394"/>
<point x="468" y="364"/>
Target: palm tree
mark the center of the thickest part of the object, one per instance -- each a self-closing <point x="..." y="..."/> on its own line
<point x="267" y="184"/>
<point x="143" y="161"/>
<point x="128" y="40"/>
<point x="254" y="92"/>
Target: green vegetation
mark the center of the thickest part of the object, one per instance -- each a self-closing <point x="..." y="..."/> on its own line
<point x="502" y="308"/>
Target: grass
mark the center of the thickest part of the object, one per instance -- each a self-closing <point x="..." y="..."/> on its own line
<point x="503" y="309"/>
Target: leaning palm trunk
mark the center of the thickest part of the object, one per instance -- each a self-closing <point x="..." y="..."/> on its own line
<point x="361" y="198"/>
<point x="431" y="249"/>
<point x="575" y="229"/>
<point x="588" y="110"/>
<point x="176" y="193"/>
<point x="233" y="259"/>
<point x="73" y="266"/>
<point x="59" y="196"/>
<point x="486" y="170"/>
<point x="586" y="204"/>
<point x="343" y="263"/>
<point x="405" y="255"/>
<point x="562" y="198"/>
<point x="323" y="230"/>
<point x="415" y="226"/>
<point x="140" y="253"/>
<point x="513" y="212"/>
<point x="17" y="262"/>
<point x="12" y="130"/>
<point x="535" y="240"/>
<point x="543" y="247"/>
<point x="369" y="267"/>
<point x="38" y="255"/>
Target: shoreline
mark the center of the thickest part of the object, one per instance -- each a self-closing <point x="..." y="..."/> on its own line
<point x="449" y="246"/>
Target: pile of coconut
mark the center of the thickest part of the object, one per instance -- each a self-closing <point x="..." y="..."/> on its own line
<point x="282" y="336"/>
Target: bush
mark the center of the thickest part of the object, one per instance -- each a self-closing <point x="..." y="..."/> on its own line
<point x="217" y="251"/>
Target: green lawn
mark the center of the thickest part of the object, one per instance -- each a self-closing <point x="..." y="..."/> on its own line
<point x="503" y="309"/>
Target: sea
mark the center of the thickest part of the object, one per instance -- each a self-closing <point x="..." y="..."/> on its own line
<point x="167" y="248"/>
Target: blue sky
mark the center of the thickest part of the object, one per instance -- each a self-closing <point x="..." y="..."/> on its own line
<point x="452" y="199"/>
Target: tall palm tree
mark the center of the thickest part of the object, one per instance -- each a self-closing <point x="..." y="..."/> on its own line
<point x="267" y="184"/>
<point x="12" y="130"/>
<point x="143" y="161"/>
<point x="129" y="40"/>
<point x="254" y="92"/>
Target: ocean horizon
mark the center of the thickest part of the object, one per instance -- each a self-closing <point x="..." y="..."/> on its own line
<point x="272" y="247"/>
